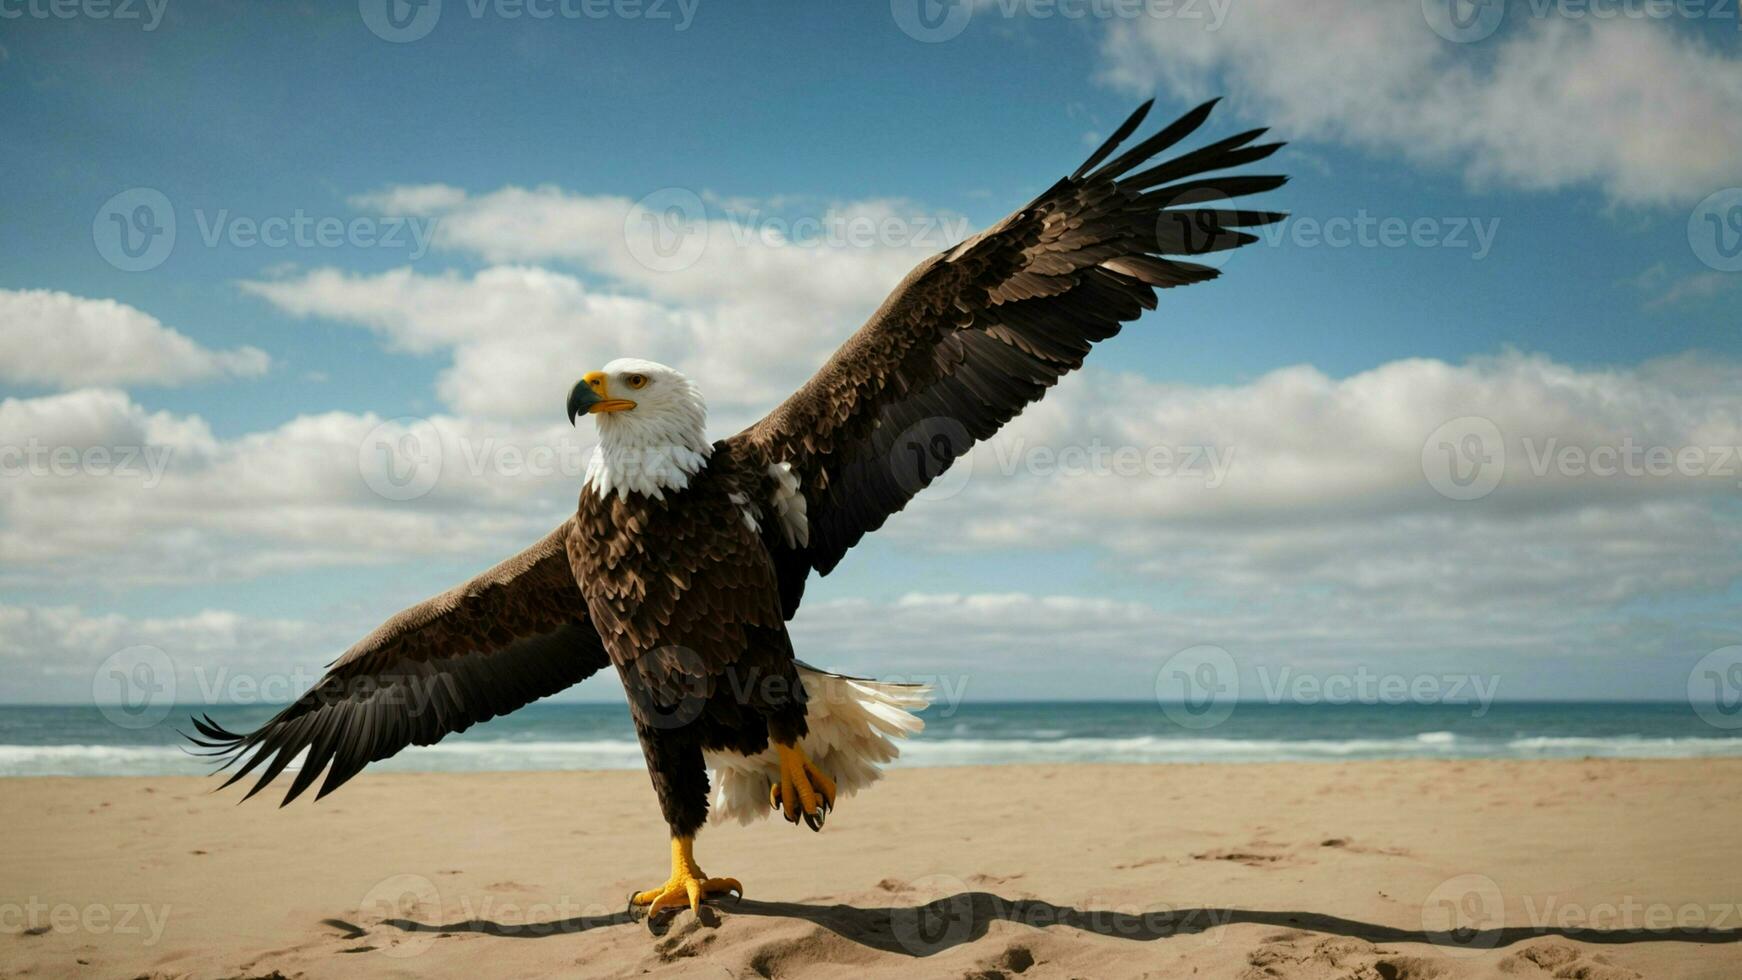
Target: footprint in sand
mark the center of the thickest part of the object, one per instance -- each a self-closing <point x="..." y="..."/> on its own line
<point x="1564" y="962"/>
<point x="689" y="939"/>
<point x="799" y="956"/>
<point x="1293" y="956"/>
<point x="1355" y="847"/>
<point x="1251" y="857"/>
<point x="1013" y="961"/>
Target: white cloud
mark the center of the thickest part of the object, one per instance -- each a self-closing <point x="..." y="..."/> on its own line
<point x="520" y="336"/>
<point x="95" y="489"/>
<point x="1297" y="441"/>
<point x="762" y="300"/>
<point x="1323" y="530"/>
<point x="61" y="340"/>
<point x="98" y="417"/>
<point x="1698" y="288"/>
<point x="57" y="653"/>
<point x="1650" y="115"/>
<point x="418" y="199"/>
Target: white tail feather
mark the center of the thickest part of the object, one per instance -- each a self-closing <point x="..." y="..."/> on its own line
<point x="853" y="726"/>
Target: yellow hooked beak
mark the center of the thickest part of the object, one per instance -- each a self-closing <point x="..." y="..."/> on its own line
<point x="590" y="396"/>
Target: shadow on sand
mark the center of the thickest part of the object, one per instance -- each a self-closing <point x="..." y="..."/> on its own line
<point x="922" y="930"/>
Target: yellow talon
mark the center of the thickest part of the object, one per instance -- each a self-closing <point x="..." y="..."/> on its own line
<point x="688" y="884"/>
<point x="803" y="788"/>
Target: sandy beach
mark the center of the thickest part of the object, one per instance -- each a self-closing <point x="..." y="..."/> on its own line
<point x="1365" y="870"/>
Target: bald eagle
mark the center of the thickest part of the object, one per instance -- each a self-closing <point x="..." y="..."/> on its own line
<point x="685" y="558"/>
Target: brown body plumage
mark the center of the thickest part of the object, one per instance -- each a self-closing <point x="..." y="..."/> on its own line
<point x="684" y="592"/>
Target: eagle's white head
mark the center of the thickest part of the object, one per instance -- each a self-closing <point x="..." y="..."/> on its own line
<point x="652" y="423"/>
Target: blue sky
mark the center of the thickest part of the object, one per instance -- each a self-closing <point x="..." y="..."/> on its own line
<point x="1585" y="148"/>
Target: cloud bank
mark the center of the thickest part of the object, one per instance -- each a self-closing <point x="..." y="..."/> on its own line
<point x="1647" y="114"/>
<point x="59" y="340"/>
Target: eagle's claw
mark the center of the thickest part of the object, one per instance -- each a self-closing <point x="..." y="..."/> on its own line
<point x="803" y="789"/>
<point x="688" y="885"/>
<point x="683" y="889"/>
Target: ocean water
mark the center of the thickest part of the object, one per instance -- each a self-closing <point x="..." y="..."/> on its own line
<point x="85" y="740"/>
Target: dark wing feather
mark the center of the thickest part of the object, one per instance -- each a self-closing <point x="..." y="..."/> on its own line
<point x="975" y="334"/>
<point x="512" y="635"/>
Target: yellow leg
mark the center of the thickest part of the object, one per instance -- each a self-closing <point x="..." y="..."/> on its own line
<point x="803" y="788"/>
<point x="687" y="883"/>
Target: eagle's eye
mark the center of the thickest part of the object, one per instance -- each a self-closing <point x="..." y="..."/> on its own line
<point x="636" y="381"/>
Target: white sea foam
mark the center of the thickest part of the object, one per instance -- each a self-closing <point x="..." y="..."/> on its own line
<point x="506" y="755"/>
<point x="1158" y="748"/>
<point x="457" y="756"/>
<point x="1626" y="746"/>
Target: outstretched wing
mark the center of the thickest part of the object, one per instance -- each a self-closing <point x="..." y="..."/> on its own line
<point x="975" y="334"/>
<point x="512" y="635"/>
